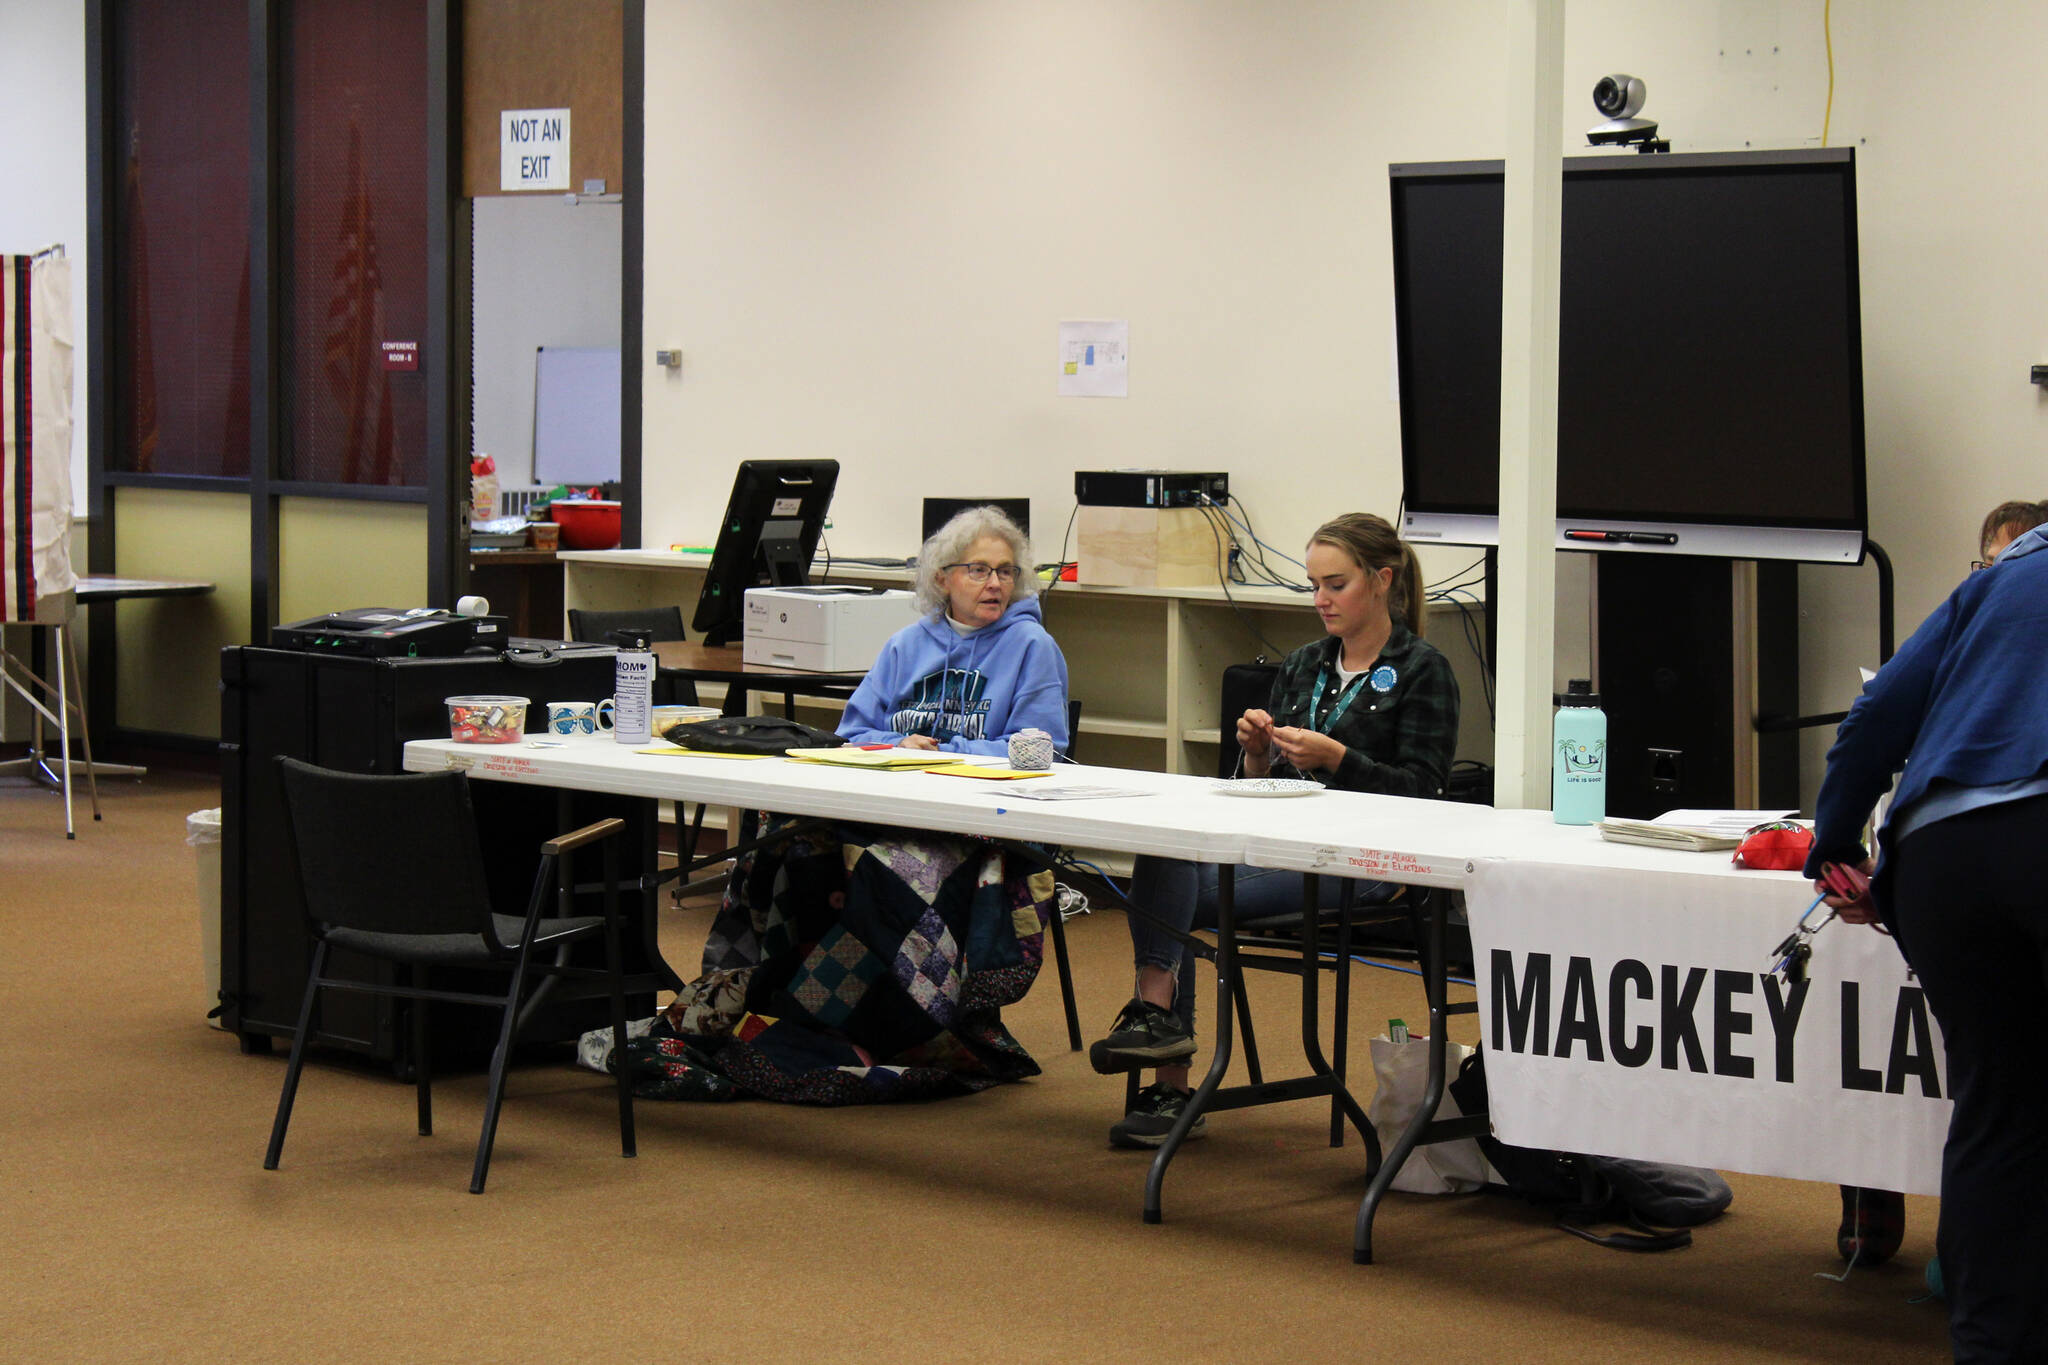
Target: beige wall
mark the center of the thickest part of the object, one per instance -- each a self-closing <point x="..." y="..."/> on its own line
<point x="335" y="555"/>
<point x="167" y="677"/>
<point x="865" y="221"/>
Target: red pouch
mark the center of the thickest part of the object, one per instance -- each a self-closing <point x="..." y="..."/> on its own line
<point x="1779" y="846"/>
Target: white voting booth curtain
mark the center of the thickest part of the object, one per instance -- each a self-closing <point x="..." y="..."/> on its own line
<point x="35" y="434"/>
<point x="1633" y="1013"/>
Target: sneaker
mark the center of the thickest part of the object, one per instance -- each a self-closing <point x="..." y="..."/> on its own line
<point x="1159" y="1107"/>
<point x="1143" y="1036"/>
<point x="1873" y="1225"/>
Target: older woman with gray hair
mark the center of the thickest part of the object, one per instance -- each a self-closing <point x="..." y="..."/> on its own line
<point x="977" y="665"/>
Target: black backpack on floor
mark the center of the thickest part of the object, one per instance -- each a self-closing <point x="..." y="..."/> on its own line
<point x="1655" y="1204"/>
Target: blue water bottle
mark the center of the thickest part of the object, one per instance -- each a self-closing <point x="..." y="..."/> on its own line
<point x="1578" y="773"/>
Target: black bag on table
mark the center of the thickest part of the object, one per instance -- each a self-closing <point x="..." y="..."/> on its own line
<point x="749" y="735"/>
<point x="1655" y="1203"/>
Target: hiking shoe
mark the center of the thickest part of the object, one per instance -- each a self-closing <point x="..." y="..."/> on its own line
<point x="1873" y="1225"/>
<point x="1159" y="1107"/>
<point x="1143" y="1035"/>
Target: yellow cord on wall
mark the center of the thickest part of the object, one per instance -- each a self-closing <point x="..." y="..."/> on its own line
<point x="1827" y="34"/>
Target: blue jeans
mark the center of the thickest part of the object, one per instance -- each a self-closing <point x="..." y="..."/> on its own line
<point x="1183" y="896"/>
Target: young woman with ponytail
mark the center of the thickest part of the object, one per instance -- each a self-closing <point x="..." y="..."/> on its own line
<point x="1370" y="707"/>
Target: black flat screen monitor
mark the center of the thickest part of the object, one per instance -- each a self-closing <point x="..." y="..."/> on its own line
<point x="770" y="531"/>
<point x="939" y="511"/>
<point x="1710" y="365"/>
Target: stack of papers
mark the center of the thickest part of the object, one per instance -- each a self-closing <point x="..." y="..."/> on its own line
<point x="1695" y="830"/>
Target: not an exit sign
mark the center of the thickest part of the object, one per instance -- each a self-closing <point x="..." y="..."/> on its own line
<point x="534" y="149"/>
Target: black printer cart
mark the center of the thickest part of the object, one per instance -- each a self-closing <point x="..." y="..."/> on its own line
<point x="355" y="714"/>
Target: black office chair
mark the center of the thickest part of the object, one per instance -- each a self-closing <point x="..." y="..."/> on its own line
<point x="391" y="868"/>
<point x="656" y="623"/>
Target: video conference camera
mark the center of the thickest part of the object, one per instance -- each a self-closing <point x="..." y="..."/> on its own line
<point x="1619" y="99"/>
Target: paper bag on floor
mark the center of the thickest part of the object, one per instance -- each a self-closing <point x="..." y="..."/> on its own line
<point x="1402" y="1072"/>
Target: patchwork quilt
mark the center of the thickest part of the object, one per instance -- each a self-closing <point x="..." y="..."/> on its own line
<point x="855" y="965"/>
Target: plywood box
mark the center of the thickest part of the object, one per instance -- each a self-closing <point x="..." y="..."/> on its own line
<point x="1148" y="547"/>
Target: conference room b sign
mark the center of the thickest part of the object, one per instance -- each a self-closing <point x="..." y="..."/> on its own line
<point x="533" y="149"/>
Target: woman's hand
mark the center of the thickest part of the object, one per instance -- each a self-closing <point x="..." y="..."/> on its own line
<point x="1861" y="910"/>
<point x="918" y="742"/>
<point x="1255" y="737"/>
<point x="1309" y="750"/>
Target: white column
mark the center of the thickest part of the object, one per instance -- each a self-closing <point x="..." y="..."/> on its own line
<point x="1528" y="406"/>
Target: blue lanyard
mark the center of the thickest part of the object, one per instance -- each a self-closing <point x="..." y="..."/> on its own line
<point x="1315" y="698"/>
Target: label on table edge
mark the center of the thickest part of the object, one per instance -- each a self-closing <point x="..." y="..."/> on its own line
<point x="1385" y="865"/>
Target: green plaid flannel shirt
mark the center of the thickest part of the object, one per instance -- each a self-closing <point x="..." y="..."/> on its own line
<point x="1396" y="743"/>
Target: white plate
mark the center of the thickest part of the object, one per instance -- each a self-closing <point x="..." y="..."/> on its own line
<point x="1268" y="786"/>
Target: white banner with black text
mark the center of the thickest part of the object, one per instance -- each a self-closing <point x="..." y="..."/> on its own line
<point x="1635" y="1013"/>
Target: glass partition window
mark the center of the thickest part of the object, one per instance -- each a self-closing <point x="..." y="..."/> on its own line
<point x="355" y="367"/>
<point x="180" y="218"/>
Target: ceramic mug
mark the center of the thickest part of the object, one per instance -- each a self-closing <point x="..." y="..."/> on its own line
<point x="571" y="718"/>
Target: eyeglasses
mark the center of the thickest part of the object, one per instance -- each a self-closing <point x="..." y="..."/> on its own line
<point x="978" y="572"/>
<point x="1977" y="564"/>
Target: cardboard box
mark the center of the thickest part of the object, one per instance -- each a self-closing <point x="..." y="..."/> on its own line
<point x="1148" y="547"/>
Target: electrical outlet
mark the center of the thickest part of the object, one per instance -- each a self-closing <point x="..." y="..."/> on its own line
<point x="1665" y="767"/>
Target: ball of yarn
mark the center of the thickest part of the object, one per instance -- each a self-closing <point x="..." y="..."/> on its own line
<point x="1031" y="750"/>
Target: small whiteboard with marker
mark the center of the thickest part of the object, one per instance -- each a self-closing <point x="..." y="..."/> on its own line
<point x="576" y="414"/>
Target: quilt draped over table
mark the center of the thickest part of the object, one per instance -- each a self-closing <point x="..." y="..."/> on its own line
<point x="855" y="964"/>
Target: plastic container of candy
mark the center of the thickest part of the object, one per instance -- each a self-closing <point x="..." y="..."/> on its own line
<point x="487" y="720"/>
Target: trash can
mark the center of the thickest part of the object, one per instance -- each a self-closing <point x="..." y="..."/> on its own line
<point x="202" y="832"/>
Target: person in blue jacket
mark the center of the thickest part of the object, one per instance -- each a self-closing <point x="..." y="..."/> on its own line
<point x="977" y="665"/>
<point x="1962" y="884"/>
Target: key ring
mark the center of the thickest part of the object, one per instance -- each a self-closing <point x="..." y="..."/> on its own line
<point x="1796" y="950"/>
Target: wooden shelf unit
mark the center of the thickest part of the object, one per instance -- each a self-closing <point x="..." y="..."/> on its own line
<point x="1146" y="663"/>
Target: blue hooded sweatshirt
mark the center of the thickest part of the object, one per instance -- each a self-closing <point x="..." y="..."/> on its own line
<point x="1959" y="708"/>
<point x="970" y="691"/>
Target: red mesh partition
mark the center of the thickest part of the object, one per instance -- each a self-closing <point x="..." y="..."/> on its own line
<point x="356" y="212"/>
<point x="181" y="237"/>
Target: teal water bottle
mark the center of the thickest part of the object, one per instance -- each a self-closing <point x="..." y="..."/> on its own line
<point x="1578" y="772"/>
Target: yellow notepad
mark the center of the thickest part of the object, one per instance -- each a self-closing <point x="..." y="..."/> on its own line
<point x="986" y="774"/>
<point x="852" y="756"/>
<point x="678" y="751"/>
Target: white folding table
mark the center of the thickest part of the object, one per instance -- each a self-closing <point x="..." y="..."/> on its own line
<point x="1179" y="816"/>
<point x="1628" y="1007"/>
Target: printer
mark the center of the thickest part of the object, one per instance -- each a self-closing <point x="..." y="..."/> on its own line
<point x="829" y="628"/>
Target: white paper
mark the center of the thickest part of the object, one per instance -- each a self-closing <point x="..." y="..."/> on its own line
<point x="1095" y="360"/>
<point x="1722" y="821"/>
<point x="1079" y="793"/>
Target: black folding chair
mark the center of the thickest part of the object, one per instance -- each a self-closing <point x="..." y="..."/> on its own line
<point x="391" y="868"/>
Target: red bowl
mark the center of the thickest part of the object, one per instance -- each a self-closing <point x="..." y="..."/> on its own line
<point x="589" y="524"/>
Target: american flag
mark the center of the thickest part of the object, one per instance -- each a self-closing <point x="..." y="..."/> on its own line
<point x="355" y="326"/>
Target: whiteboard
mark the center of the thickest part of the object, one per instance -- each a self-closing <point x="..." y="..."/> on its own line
<point x="576" y="414"/>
